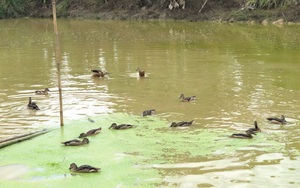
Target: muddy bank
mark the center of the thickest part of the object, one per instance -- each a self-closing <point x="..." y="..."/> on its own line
<point x="194" y="11"/>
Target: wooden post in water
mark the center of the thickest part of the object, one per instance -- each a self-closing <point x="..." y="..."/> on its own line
<point x="57" y="59"/>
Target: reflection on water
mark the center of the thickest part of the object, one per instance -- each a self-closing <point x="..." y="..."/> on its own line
<point x="239" y="74"/>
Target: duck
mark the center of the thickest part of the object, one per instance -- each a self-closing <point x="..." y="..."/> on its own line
<point x="42" y="92"/>
<point x="277" y="120"/>
<point x="248" y="135"/>
<point x="141" y="72"/>
<point x="83" y="168"/>
<point x="76" y="142"/>
<point x="120" y="127"/>
<point x="149" y="112"/>
<point x="99" y="73"/>
<point x="182" y="124"/>
<point x="255" y="129"/>
<point x="32" y="105"/>
<point x="90" y="133"/>
<point x="187" y="99"/>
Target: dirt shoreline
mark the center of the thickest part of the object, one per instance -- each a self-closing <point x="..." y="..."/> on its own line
<point x="212" y="11"/>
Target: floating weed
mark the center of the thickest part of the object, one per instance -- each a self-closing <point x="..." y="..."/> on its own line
<point x="126" y="157"/>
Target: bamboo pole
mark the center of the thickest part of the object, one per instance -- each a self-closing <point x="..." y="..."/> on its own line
<point x="57" y="59"/>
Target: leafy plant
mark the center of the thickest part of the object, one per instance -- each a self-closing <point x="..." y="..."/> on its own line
<point x="12" y="8"/>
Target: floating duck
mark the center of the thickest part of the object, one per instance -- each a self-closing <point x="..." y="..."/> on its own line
<point x="276" y="120"/>
<point x="141" y="72"/>
<point x="182" y="124"/>
<point x="255" y="129"/>
<point x="42" y="92"/>
<point x="83" y="168"/>
<point x="149" y="112"/>
<point x="76" y="142"/>
<point x="90" y="133"/>
<point x="99" y="73"/>
<point x="121" y="126"/>
<point x="32" y="105"/>
<point x="187" y="99"/>
<point x="248" y="135"/>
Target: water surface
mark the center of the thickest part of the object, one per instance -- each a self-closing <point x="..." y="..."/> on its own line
<point x="239" y="73"/>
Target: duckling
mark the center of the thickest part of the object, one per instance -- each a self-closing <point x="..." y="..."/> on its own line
<point x="90" y="133"/>
<point x="76" y="142"/>
<point x="32" y="105"/>
<point x="141" y="72"/>
<point x="83" y="168"/>
<point x="182" y="124"/>
<point x="99" y="73"/>
<point x="255" y="129"/>
<point x="248" y="135"/>
<point x="187" y="99"/>
<point x="121" y="126"/>
<point x="149" y="112"/>
<point x="276" y="120"/>
<point x="42" y="92"/>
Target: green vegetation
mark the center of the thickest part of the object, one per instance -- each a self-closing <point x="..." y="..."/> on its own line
<point x="134" y="157"/>
<point x="142" y="9"/>
<point x="269" y="4"/>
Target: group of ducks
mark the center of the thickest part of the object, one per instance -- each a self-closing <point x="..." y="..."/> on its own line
<point x="100" y="74"/>
<point x="76" y="142"/>
<point x="256" y="129"/>
<point x="32" y="105"/>
<point x="96" y="74"/>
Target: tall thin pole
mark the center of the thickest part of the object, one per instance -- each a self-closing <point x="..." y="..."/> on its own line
<point x="57" y="59"/>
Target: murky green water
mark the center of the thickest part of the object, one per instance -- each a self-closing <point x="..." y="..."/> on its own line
<point x="239" y="73"/>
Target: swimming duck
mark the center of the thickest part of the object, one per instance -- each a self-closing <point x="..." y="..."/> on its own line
<point x="121" y="126"/>
<point x="76" y="142"/>
<point x="149" y="112"/>
<point x="83" y="168"/>
<point x="90" y="133"/>
<point x="141" y="72"/>
<point x="255" y="129"/>
<point x="248" y="135"/>
<point x="187" y="99"/>
<point x="276" y="120"/>
<point x="42" y="92"/>
<point x="99" y="73"/>
<point x="32" y="105"/>
<point x="182" y="124"/>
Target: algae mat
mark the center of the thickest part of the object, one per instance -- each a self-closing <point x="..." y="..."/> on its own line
<point x="127" y="158"/>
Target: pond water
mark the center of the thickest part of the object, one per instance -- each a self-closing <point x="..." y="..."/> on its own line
<point x="239" y="73"/>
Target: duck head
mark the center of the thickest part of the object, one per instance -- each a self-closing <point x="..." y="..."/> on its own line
<point x="114" y="125"/>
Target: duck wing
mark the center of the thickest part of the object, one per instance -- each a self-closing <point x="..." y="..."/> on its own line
<point x="87" y="169"/>
<point x="124" y="126"/>
<point x="93" y="131"/>
<point x="71" y="142"/>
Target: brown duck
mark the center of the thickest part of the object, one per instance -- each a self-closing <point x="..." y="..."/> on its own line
<point x="277" y="120"/>
<point x="76" y="142"/>
<point x="120" y="127"/>
<point x="248" y="135"/>
<point x="32" y="105"/>
<point x="182" y="123"/>
<point x="149" y="112"/>
<point x="90" y="133"/>
<point x="42" y="92"/>
<point x="99" y="73"/>
<point x="83" y="168"/>
<point x="255" y="129"/>
<point x="187" y="99"/>
<point x="141" y="72"/>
